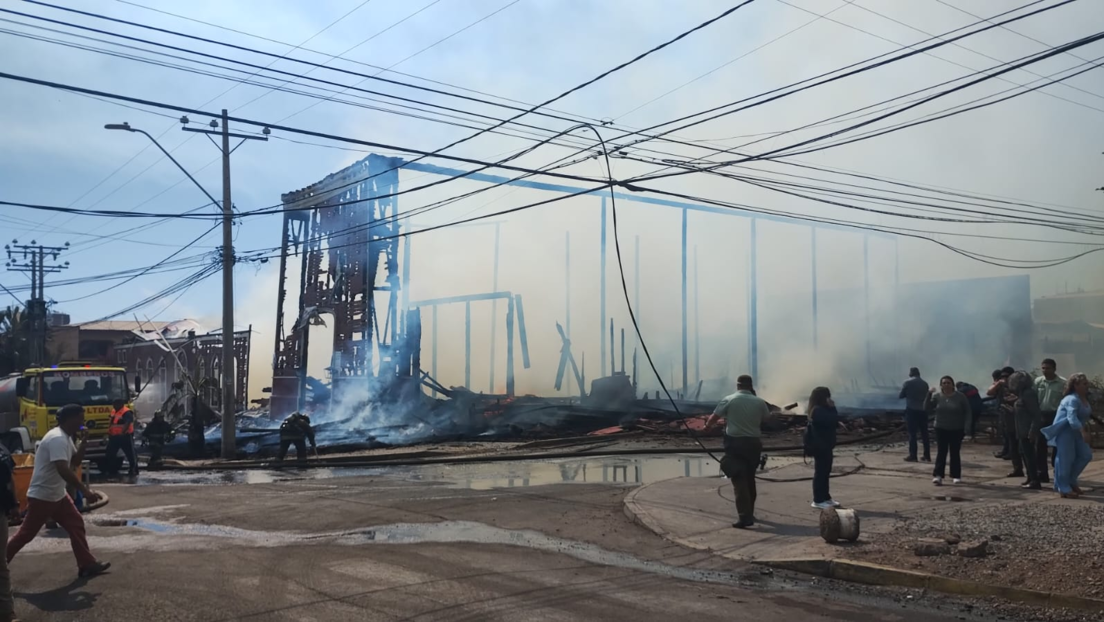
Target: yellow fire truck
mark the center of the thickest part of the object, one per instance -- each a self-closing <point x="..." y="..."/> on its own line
<point x="30" y="400"/>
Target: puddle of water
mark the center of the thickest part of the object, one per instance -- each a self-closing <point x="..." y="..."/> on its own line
<point x="449" y="532"/>
<point x="643" y="469"/>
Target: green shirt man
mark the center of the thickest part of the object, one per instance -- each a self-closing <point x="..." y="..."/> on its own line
<point x="743" y="413"/>
<point x="1050" y="392"/>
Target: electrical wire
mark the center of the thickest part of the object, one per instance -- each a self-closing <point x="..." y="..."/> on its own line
<point x="985" y="77"/>
<point x="983" y="55"/>
<point x="828" y="77"/>
<point x="699" y="146"/>
<point x="186" y="140"/>
<point x="628" y="304"/>
<point x="14" y="297"/>
<point x="946" y="60"/>
<point x="439" y="151"/>
<point x="147" y="270"/>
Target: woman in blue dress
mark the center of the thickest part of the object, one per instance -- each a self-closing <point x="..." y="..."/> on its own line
<point x="1070" y="437"/>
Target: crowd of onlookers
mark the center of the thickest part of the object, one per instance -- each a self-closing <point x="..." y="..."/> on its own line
<point x="1043" y="422"/>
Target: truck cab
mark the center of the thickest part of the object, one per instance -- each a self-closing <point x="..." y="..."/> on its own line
<point x="29" y="402"/>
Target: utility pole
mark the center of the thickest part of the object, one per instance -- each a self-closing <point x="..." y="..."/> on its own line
<point x="228" y="369"/>
<point x="32" y="258"/>
<point x="229" y="445"/>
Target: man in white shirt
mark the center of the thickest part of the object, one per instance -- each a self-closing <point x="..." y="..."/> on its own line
<point x="47" y="499"/>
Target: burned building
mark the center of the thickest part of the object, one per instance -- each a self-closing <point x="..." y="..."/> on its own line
<point x="342" y="237"/>
<point x="147" y="355"/>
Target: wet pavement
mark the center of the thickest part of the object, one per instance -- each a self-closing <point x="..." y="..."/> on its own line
<point x="616" y="470"/>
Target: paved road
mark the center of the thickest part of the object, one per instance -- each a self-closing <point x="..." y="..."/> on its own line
<point x="381" y="549"/>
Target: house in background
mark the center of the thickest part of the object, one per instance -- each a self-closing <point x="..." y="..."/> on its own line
<point x="1069" y="328"/>
<point x="141" y="348"/>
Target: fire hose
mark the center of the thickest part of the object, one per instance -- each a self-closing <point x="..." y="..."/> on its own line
<point x="365" y="461"/>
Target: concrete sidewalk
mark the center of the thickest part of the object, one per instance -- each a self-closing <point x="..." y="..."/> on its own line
<point x="698" y="512"/>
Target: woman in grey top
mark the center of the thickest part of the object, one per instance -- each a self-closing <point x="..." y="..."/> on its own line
<point x="952" y="413"/>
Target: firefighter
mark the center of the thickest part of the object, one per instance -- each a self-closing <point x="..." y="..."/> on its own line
<point x="296" y="430"/>
<point x="157" y="433"/>
<point x="121" y="437"/>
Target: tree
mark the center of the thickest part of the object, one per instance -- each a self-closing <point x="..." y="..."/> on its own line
<point x="15" y="340"/>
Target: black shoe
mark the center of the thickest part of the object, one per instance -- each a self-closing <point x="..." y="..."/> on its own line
<point x="926" y="459"/>
<point x="1031" y="486"/>
<point x="1015" y="474"/>
<point x="94" y="569"/>
<point x="1002" y="455"/>
<point x="1044" y="480"/>
<point x="910" y="459"/>
<point x="744" y="523"/>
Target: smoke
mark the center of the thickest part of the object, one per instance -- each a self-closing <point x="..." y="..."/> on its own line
<point x="964" y="330"/>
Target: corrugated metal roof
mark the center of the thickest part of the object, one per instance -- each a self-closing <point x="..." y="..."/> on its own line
<point x="127" y="325"/>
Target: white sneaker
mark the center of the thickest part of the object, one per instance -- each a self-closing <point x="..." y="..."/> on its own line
<point x="823" y="505"/>
<point x="958" y="480"/>
<point x="834" y="503"/>
<point x="938" y="481"/>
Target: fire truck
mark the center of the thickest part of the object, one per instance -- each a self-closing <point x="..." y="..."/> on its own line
<point x="29" y="401"/>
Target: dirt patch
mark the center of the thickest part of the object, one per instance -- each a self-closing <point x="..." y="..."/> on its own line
<point x="1052" y="547"/>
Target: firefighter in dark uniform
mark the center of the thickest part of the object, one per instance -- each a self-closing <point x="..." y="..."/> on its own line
<point x="296" y="430"/>
<point x="157" y="433"/>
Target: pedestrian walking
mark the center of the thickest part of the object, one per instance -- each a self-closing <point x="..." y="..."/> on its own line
<point x="820" y="442"/>
<point x="915" y="393"/>
<point x="952" y="414"/>
<point x="9" y="510"/>
<point x="1050" y="387"/>
<point x="1069" y="435"/>
<point x="743" y="414"/>
<point x="1028" y="422"/>
<point x="56" y="461"/>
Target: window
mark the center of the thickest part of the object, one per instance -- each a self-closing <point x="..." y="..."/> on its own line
<point x="86" y="387"/>
<point x="121" y="356"/>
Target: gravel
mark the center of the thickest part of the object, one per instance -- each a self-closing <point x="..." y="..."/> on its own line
<point x="1052" y="547"/>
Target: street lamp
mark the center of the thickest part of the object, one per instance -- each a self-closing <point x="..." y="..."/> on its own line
<point x="127" y="128"/>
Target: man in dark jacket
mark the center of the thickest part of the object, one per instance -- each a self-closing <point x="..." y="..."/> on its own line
<point x="295" y="430"/>
<point x="1028" y="422"/>
<point x="915" y="393"/>
<point x="976" y="405"/>
<point x="157" y="433"/>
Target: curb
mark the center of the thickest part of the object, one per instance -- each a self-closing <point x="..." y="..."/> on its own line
<point x="873" y="574"/>
<point x="638" y="516"/>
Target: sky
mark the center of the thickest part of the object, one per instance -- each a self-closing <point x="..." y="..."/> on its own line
<point x="1041" y="149"/>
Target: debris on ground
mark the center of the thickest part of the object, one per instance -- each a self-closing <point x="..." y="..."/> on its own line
<point x="1031" y="546"/>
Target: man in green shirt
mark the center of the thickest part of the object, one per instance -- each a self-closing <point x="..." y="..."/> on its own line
<point x="743" y="414"/>
<point x="1050" y="387"/>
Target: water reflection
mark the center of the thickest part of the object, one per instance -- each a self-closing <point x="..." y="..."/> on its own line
<point x="643" y="469"/>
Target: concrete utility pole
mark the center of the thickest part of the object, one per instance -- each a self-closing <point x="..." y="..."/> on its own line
<point x="228" y="368"/>
<point x="229" y="444"/>
<point x="32" y="258"/>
